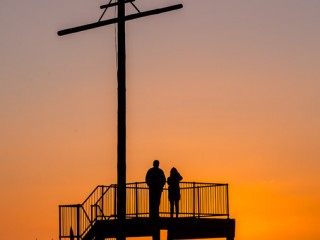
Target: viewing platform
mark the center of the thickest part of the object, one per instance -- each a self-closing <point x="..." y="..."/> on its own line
<point x="203" y="213"/>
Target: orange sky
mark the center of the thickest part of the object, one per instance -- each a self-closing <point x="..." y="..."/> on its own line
<point x="226" y="91"/>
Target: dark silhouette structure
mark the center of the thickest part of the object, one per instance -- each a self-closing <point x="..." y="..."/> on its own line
<point x="121" y="75"/>
<point x="119" y="210"/>
<point x="155" y="180"/>
<point x="174" y="190"/>
<point x="204" y="213"/>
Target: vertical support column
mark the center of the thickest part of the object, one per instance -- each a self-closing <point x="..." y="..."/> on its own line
<point x="156" y="230"/>
<point x="121" y="164"/>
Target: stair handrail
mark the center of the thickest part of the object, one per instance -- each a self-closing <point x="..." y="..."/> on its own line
<point x="94" y="190"/>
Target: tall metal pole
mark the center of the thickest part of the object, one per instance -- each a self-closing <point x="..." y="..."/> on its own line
<point x="121" y="190"/>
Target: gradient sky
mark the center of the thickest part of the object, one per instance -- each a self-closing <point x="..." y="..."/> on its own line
<point x="226" y="91"/>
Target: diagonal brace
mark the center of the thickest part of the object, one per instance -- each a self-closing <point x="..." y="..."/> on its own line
<point x="114" y="4"/>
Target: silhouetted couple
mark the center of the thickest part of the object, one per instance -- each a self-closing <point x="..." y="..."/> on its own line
<point x="156" y="180"/>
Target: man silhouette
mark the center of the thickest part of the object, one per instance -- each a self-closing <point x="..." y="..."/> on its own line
<point x="155" y="179"/>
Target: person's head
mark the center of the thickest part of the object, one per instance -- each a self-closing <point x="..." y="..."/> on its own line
<point x="173" y="170"/>
<point x="156" y="163"/>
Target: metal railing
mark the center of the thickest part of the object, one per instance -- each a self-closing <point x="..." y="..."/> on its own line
<point x="197" y="200"/>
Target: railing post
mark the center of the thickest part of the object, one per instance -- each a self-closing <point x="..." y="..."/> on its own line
<point x="227" y="189"/>
<point x="102" y="203"/>
<point x="78" y="221"/>
<point x="59" y="222"/>
<point x="137" y="205"/>
<point x="94" y="212"/>
<point x="194" y="198"/>
<point x="198" y="201"/>
<point x="92" y="215"/>
<point x="115" y="202"/>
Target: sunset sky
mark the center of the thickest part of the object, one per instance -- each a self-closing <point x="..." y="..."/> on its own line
<point x="226" y="91"/>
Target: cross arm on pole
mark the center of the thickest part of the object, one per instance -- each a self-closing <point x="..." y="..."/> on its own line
<point x="115" y="20"/>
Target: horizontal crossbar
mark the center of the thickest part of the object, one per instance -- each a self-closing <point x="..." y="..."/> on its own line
<point x="115" y="20"/>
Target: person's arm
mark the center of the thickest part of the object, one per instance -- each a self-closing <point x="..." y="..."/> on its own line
<point x="169" y="180"/>
<point x="163" y="179"/>
<point x="148" y="177"/>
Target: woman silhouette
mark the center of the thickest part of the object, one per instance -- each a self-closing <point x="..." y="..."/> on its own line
<point x="174" y="190"/>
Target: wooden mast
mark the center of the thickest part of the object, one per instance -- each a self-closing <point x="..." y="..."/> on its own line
<point x="121" y="165"/>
